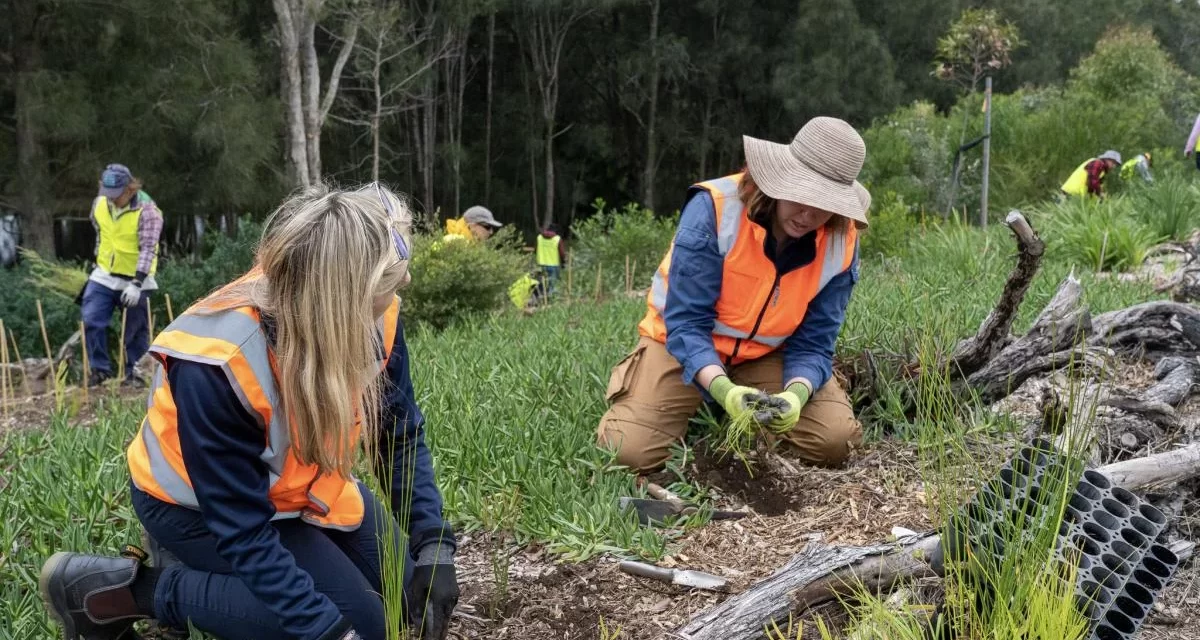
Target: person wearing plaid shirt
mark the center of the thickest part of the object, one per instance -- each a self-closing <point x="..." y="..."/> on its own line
<point x="128" y="225"/>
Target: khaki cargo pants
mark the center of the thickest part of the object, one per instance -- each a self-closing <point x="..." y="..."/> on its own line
<point x="650" y="406"/>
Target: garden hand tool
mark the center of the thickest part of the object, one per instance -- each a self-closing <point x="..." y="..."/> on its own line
<point x="686" y="578"/>
<point x="656" y="511"/>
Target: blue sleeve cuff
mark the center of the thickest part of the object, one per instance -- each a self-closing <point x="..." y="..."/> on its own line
<point x="692" y="364"/>
<point x="816" y="374"/>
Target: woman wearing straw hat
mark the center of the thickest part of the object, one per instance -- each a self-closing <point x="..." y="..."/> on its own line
<point x="747" y="305"/>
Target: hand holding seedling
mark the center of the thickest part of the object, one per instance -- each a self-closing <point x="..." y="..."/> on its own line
<point x="787" y="406"/>
<point x="740" y="402"/>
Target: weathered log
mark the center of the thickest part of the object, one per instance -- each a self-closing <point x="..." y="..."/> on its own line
<point x="745" y="615"/>
<point x="1162" y="415"/>
<point x="819" y="573"/>
<point x="994" y="334"/>
<point x="1005" y="374"/>
<point x="1157" y="469"/>
<point x="1177" y="378"/>
<point x="1151" y="328"/>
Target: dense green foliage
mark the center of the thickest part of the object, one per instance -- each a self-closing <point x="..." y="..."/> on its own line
<point x="454" y="279"/>
<point x="195" y="106"/>
<point x="1128" y="96"/>
<point x="609" y="239"/>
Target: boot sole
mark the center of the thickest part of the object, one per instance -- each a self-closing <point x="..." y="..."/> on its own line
<point x="55" y="600"/>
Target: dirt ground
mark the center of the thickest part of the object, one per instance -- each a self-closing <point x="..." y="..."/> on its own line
<point x="856" y="505"/>
<point x="790" y="504"/>
<point x="880" y="489"/>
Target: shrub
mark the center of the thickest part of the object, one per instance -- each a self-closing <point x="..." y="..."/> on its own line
<point x="909" y="153"/>
<point x="18" y="309"/>
<point x="452" y="280"/>
<point x="892" y="227"/>
<point x="1127" y="95"/>
<point x="1170" y="207"/>
<point x="1101" y="235"/>
<point x="610" y="236"/>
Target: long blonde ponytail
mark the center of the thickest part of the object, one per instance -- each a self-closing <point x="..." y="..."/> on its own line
<point x="324" y="257"/>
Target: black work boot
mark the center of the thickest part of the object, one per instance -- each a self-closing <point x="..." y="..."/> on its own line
<point x="160" y="558"/>
<point x="158" y="554"/>
<point x="92" y="596"/>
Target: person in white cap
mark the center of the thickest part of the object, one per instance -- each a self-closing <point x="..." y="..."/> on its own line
<point x="746" y="307"/>
<point x="1088" y="178"/>
<point x="476" y="223"/>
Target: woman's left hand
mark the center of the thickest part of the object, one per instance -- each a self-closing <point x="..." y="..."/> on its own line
<point x="433" y="594"/>
<point x="794" y="397"/>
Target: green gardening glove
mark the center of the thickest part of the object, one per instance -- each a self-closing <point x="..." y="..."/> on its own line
<point x="737" y="400"/>
<point x="788" y="405"/>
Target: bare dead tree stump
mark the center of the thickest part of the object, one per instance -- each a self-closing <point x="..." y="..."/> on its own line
<point x="994" y="334"/>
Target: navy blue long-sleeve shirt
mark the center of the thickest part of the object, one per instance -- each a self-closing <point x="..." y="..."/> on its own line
<point x="695" y="285"/>
<point x="222" y="446"/>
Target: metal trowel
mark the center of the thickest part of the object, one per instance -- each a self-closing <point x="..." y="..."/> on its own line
<point x="682" y="577"/>
<point x="656" y="511"/>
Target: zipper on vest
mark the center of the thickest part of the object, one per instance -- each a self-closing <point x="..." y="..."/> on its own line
<point x="737" y="345"/>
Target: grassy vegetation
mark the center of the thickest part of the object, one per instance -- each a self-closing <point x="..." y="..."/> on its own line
<point x="512" y="404"/>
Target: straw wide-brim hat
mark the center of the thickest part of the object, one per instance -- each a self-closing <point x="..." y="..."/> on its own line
<point x="819" y="168"/>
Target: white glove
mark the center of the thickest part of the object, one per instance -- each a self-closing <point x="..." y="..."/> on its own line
<point x="132" y="294"/>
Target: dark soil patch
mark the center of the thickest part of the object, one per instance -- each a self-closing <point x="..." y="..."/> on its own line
<point x="748" y="481"/>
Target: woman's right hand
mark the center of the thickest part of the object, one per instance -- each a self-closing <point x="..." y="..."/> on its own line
<point x="732" y="397"/>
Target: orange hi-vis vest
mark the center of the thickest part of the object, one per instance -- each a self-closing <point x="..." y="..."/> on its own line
<point x="758" y="308"/>
<point x="233" y="339"/>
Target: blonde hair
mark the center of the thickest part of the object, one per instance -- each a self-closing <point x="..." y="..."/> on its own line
<point x="762" y="207"/>
<point x="323" y="258"/>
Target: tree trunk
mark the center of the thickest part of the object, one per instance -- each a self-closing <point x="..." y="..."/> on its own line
<point x="706" y="132"/>
<point x="649" y="171"/>
<point x="312" y="92"/>
<point x="549" y="210"/>
<point x="375" y="117"/>
<point x="292" y="87"/>
<point x="428" y="151"/>
<point x="458" y="144"/>
<point x="487" y="137"/>
<point x="32" y="179"/>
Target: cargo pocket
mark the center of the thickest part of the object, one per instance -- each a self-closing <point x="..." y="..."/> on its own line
<point x="623" y="375"/>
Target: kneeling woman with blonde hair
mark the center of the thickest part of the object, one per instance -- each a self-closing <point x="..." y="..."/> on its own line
<point x="242" y="469"/>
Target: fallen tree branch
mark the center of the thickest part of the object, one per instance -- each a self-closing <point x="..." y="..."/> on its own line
<point x="1001" y="377"/>
<point x="820" y="573"/>
<point x="994" y="334"/>
<point x="745" y="615"/>
<point x="1151" y="328"/>
<point x="1177" y="379"/>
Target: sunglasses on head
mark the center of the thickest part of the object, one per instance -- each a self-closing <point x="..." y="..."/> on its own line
<point x="401" y="245"/>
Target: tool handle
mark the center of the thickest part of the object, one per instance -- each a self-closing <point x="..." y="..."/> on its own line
<point x="663" y="494"/>
<point x="647" y="570"/>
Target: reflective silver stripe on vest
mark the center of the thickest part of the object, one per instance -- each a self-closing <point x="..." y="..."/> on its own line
<point x="170" y="481"/>
<point x="658" y="292"/>
<point x="731" y="214"/>
<point x="722" y="329"/>
<point x="835" y="255"/>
